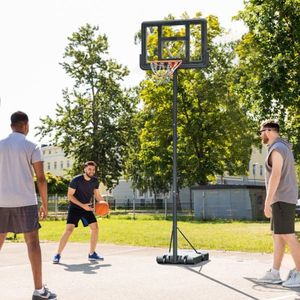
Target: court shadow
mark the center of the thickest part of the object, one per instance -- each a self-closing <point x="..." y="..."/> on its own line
<point x="259" y="286"/>
<point x="86" y="268"/>
<point x="197" y="271"/>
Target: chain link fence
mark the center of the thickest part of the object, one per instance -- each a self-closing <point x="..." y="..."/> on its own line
<point x="58" y="206"/>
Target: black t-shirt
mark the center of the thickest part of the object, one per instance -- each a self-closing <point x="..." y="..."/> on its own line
<point x="84" y="188"/>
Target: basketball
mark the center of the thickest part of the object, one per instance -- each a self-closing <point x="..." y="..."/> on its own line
<point x="101" y="208"/>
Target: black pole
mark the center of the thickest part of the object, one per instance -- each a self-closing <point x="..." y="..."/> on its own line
<point x="174" y="185"/>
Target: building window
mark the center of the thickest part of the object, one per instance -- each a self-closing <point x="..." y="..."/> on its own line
<point x="48" y="166"/>
<point x="49" y="151"/>
<point x="261" y="170"/>
<point x="61" y="164"/>
<point x="141" y="193"/>
<point x="55" y="165"/>
<point x="254" y="169"/>
<point x="68" y="164"/>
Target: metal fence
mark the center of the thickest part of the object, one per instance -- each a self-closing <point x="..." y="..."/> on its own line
<point x="58" y="206"/>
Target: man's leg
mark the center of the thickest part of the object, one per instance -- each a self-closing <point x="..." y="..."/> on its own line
<point x="294" y="247"/>
<point x="279" y="247"/>
<point x="94" y="236"/>
<point x="2" y="239"/>
<point x="35" y="257"/>
<point x="65" y="237"/>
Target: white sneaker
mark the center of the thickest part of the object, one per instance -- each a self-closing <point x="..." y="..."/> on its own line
<point x="290" y="274"/>
<point x="293" y="281"/>
<point x="271" y="277"/>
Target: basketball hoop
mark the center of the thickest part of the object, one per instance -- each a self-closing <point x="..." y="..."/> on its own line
<point x="163" y="69"/>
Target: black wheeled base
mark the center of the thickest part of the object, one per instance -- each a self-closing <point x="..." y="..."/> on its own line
<point x="184" y="257"/>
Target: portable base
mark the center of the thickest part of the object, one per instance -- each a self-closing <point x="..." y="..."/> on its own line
<point x="186" y="258"/>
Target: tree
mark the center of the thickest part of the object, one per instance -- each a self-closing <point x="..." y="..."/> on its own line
<point x="214" y="133"/>
<point x="56" y="184"/>
<point x="268" y="75"/>
<point x="93" y="123"/>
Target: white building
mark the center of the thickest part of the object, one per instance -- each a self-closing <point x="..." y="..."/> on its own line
<point x="55" y="160"/>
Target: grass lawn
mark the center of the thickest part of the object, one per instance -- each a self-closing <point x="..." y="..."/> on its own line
<point x="153" y="231"/>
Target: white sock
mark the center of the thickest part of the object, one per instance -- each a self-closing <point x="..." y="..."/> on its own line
<point x="41" y="291"/>
<point x="275" y="271"/>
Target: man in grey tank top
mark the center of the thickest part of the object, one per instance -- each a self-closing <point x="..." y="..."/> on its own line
<point x="19" y="157"/>
<point x="280" y="202"/>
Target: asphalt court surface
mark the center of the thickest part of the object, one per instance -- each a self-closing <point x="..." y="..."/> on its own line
<point x="130" y="272"/>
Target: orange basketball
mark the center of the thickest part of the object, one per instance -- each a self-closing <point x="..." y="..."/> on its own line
<point x="101" y="208"/>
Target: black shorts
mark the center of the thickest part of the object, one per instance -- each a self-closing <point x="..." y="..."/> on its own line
<point x="76" y="213"/>
<point x="283" y="218"/>
<point x="19" y="219"/>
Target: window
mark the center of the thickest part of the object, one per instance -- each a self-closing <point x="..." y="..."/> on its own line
<point x="48" y="166"/>
<point x="61" y="164"/>
<point x="141" y="193"/>
<point x="254" y="169"/>
<point x="261" y="170"/>
<point x="68" y="164"/>
<point x="55" y="165"/>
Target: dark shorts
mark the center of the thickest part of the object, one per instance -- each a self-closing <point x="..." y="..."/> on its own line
<point x="283" y="218"/>
<point x="75" y="214"/>
<point x="19" y="219"/>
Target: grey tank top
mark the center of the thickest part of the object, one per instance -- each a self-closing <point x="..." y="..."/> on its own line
<point x="287" y="190"/>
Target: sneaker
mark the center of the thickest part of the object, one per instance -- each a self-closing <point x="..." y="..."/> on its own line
<point x="293" y="281"/>
<point x="56" y="259"/>
<point x="94" y="256"/>
<point x="46" y="295"/>
<point x="290" y="274"/>
<point x="271" y="277"/>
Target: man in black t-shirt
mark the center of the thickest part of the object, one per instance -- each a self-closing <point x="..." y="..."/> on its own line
<point x="81" y="190"/>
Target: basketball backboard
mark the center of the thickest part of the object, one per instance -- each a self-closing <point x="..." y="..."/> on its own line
<point x="184" y="40"/>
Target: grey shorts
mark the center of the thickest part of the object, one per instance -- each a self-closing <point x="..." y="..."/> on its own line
<point x="283" y="218"/>
<point x="19" y="219"/>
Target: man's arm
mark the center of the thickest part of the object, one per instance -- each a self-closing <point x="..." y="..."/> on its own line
<point x="71" y="197"/>
<point x="98" y="196"/>
<point x="38" y="168"/>
<point x="277" y="163"/>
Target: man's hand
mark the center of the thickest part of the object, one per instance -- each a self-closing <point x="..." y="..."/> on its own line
<point x="43" y="212"/>
<point x="87" y="207"/>
<point x="268" y="210"/>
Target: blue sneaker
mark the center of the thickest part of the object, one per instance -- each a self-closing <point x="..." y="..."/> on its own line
<point x="56" y="259"/>
<point x="94" y="256"/>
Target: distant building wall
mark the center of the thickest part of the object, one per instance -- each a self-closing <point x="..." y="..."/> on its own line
<point x="55" y="160"/>
<point x="228" y="202"/>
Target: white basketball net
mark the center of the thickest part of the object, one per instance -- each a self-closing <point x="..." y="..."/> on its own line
<point x="163" y="69"/>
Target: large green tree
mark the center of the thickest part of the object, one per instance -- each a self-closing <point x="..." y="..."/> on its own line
<point x="94" y="120"/>
<point x="214" y="133"/>
<point x="268" y="75"/>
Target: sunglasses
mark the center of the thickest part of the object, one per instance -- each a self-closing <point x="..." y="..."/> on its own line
<point x="262" y="130"/>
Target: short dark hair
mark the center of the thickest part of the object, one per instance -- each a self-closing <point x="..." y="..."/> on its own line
<point x="272" y="124"/>
<point x="90" y="163"/>
<point x="18" y="118"/>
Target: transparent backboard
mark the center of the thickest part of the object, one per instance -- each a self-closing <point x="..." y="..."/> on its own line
<point x="184" y="40"/>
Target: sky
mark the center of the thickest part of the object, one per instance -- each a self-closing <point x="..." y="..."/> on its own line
<point x="33" y="35"/>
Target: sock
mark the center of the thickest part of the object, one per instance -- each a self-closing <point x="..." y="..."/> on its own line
<point x="275" y="271"/>
<point x="41" y="291"/>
